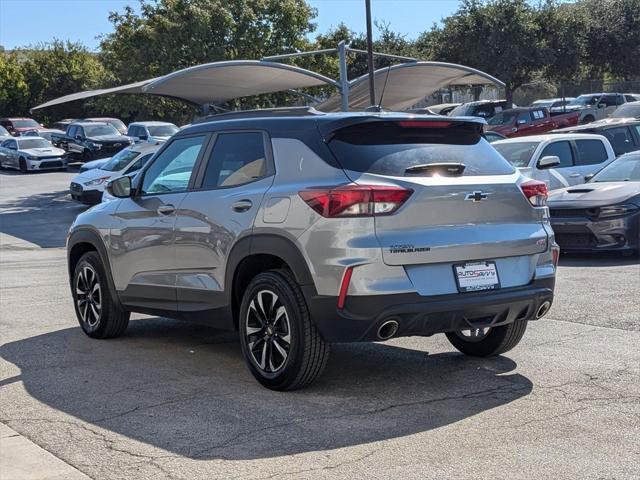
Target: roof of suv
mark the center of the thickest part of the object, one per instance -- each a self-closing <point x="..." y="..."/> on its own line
<point x="149" y="123"/>
<point x="605" y="123"/>
<point x="293" y="119"/>
<point x="547" y="137"/>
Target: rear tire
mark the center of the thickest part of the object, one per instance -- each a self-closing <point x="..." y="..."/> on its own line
<point x="99" y="315"/>
<point x="281" y="345"/>
<point x="22" y="163"/>
<point x="588" y="119"/>
<point x="496" y="341"/>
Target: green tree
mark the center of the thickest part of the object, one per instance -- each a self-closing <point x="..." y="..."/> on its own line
<point x="60" y="68"/>
<point x="500" y="37"/>
<point x="612" y="37"/>
<point x="14" y="91"/>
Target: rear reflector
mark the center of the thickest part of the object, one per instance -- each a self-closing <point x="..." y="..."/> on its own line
<point x="356" y="200"/>
<point x="536" y="192"/>
<point x="555" y="252"/>
<point x="344" y="287"/>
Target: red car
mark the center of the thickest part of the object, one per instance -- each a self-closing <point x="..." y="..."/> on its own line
<point x="17" y="126"/>
<point x="519" y="122"/>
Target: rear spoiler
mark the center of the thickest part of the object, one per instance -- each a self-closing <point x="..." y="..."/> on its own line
<point x="328" y="129"/>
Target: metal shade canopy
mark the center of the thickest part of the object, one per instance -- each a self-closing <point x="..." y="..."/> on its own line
<point x="407" y="84"/>
<point x="215" y="82"/>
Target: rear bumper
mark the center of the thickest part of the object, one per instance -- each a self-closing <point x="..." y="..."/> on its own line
<point x="424" y="316"/>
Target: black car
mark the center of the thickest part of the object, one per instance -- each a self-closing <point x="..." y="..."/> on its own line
<point x="87" y="141"/>
<point x="602" y="214"/>
<point x="623" y="133"/>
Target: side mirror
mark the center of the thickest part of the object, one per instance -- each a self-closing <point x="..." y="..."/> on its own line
<point x="589" y="177"/>
<point x="120" y="187"/>
<point x="549" y="161"/>
<point x="143" y="137"/>
<point x="78" y="137"/>
<point x="602" y="105"/>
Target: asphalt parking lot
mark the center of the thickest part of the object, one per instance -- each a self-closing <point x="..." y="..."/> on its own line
<point x="174" y="400"/>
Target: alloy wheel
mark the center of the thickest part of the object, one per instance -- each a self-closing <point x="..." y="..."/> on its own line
<point x="268" y="332"/>
<point x="89" y="295"/>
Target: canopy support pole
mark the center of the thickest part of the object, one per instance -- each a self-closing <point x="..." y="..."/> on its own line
<point x="344" y="80"/>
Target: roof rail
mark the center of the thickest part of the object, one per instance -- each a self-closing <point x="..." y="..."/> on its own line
<point x="262" y="112"/>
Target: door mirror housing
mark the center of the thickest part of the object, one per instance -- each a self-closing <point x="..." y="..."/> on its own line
<point x="120" y="187"/>
<point x="589" y="177"/>
<point x="549" y="161"/>
<point x="78" y="137"/>
<point x="602" y="105"/>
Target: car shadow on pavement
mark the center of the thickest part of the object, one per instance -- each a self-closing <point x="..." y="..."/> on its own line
<point x="601" y="259"/>
<point x="185" y="389"/>
<point x="42" y="219"/>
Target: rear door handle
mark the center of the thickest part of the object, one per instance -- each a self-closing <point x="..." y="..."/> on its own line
<point x="242" y="205"/>
<point x="166" y="209"/>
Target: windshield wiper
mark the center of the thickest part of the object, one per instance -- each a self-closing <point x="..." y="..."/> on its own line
<point x="440" y="169"/>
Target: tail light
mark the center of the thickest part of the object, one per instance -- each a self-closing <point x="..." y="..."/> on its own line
<point x="356" y="200"/>
<point x="536" y="192"/>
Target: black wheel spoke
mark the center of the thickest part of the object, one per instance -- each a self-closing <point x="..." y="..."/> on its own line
<point x="267" y="331"/>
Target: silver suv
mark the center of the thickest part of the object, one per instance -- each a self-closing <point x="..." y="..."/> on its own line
<point x="299" y="229"/>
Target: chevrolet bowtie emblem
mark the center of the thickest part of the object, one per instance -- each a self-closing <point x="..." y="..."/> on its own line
<point x="476" y="196"/>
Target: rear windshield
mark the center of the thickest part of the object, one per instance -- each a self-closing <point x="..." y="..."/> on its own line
<point x="386" y="148"/>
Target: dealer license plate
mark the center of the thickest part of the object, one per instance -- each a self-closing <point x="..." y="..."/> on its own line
<point x="474" y="276"/>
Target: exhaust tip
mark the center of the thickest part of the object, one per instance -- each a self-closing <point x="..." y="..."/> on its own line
<point x="543" y="309"/>
<point x="388" y="329"/>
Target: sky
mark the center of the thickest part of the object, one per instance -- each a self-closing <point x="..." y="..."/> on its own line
<point x="29" y="22"/>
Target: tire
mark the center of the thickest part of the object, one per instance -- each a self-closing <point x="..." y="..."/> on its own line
<point x="496" y="340"/>
<point x="588" y="119"/>
<point x="86" y="156"/>
<point x="287" y="318"/>
<point x="23" y="165"/>
<point x="98" y="313"/>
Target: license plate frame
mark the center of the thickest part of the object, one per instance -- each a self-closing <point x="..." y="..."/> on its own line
<point x="477" y="270"/>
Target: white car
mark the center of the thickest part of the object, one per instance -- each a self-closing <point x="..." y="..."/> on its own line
<point x="152" y="132"/>
<point x="29" y="154"/>
<point x="88" y="186"/>
<point x="559" y="160"/>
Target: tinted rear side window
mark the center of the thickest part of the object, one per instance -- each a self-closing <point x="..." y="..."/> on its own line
<point x="620" y="138"/>
<point x="590" y="152"/>
<point x="386" y="148"/>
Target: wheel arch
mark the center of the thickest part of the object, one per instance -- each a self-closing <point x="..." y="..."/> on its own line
<point x="83" y="241"/>
<point x="259" y="253"/>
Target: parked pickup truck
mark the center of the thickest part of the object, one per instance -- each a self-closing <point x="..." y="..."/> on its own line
<point x="559" y="160"/>
<point x="593" y="106"/>
<point x="91" y="140"/>
<point x="519" y="122"/>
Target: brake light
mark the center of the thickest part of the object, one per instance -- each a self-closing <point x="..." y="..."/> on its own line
<point x="536" y="192"/>
<point x="423" y="124"/>
<point x="356" y="200"/>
